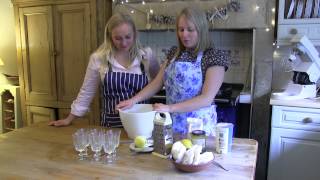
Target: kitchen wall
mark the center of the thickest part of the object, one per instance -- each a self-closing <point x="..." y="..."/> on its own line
<point x="8" y="51"/>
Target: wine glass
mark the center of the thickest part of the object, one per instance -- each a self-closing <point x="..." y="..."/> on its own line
<point x="85" y="132"/>
<point x="109" y="145"/>
<point x="80" y="141"/>
<point x="96" y="142"/>
<point x="116" y="136"/>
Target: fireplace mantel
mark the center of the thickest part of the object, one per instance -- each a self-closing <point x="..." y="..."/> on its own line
<point x="252" y="13"/>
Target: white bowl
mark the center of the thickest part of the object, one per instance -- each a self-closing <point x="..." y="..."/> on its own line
<point x="138" y="120"/>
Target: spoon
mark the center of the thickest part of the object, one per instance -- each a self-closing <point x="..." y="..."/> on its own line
<point x="220" y="166"/>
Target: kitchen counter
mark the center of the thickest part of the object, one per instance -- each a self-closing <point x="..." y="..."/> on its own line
<point x="308" y="103"/>
<point x="45" y="152"/>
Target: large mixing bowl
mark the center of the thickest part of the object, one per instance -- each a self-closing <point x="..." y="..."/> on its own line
<point x="138" y="120"/>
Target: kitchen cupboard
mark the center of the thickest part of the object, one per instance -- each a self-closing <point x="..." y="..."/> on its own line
<point x="298" y="17"/>
<point x="37" y="114"/>
<point x="54" y="40"/>
<point x="295" y="143"/>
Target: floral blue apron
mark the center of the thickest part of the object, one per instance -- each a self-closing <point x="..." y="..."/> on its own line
<point x="183" y="80"/>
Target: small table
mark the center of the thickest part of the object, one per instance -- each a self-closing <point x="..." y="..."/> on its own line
<point x="45" y="152"/>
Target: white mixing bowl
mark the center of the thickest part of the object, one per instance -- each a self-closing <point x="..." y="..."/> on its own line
<point x="138" y="120"/>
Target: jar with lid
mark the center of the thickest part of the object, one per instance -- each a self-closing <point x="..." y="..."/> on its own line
<point x="199" y="137"/>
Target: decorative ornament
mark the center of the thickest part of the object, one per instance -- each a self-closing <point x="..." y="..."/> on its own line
<point x="215" y="13"/>
<point x="222" y="12"/>
<point x="162" y="19"/>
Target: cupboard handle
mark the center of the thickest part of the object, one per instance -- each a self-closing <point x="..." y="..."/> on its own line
<point x="55" y="53"/>
<point x="307" y="120"/>
<point x="293" y="31"/>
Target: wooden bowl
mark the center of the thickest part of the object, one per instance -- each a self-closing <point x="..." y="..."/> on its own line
<point x="191" y="168"/>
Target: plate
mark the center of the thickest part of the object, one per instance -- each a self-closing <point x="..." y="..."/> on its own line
<point x="191" y="168"/>
<point x="308" y="9"/>
<point x="291" y="9"/>
<point x="145" y="149"/>
<point x="316" y="8"/>
<point x="299" y="9"/>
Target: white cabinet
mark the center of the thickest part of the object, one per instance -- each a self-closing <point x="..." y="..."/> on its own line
<point x="290" y="25"/>
<point x="295" y="143"/>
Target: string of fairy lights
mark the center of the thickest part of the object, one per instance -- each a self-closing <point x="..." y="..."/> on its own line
<point x="220" y="12"/>
<point x="216" y="13"/>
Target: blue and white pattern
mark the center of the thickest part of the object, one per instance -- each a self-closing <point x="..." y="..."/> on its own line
<point x="183" y="80"/>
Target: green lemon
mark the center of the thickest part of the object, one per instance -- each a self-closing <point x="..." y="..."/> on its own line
<point x="187" y="143"/>
<point x="140" y="141"/>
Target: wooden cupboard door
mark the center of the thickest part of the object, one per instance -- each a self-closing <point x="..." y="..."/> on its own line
<point x="73" y="44"/>
<point x="38" y="54"/>
<point x="40" y="114"/>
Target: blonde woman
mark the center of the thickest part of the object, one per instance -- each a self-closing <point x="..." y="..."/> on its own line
<point x="192" y="75"/>
<point x="121" y="66"/>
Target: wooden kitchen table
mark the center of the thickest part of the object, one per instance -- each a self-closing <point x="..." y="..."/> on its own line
<point x="45" y="152"/>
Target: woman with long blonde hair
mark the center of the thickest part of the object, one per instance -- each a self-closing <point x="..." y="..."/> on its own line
<point x="122" y="67"/>
<point x="192" y="75"/>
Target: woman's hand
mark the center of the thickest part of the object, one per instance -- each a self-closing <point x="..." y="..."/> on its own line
<point x="61" y="122"/>
<point x="159" y="107"/>
<point x="125" y="104"/>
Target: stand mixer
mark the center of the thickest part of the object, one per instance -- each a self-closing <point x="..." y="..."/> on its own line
<point x="306" y="69"/>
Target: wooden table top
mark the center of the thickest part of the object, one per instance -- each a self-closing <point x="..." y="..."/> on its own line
<point x="45" y="152"/>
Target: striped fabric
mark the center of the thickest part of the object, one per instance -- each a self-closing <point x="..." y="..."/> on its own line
<point x="119" y="86"/>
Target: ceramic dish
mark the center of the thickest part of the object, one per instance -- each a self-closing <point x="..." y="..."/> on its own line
<point x="290" y="12"/>
<point x="143" y="150"/>
<point x="316" y="8"/>
<point x="191" y="168"/>
<point x="138" y="120"/>
<point x="308" y="9"/>
<point x="299" y="9"/>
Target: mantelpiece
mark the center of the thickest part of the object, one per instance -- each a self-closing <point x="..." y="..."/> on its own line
<point x="252" y="13"/>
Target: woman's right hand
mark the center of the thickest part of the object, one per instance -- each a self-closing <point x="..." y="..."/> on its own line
<point x="125" y="104"/>
<point x="62" y="122"/>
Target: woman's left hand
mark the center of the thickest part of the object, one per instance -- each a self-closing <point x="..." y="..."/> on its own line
<point x="161" y="107"/>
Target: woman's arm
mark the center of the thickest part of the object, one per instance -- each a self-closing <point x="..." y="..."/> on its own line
<point x="89" y="87"/>
<point x="213" y="80"/>
<point x="151" y="89"/>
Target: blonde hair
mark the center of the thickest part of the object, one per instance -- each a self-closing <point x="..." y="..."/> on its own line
<point x="107" y="48"/>
<point x="199" y="19"/>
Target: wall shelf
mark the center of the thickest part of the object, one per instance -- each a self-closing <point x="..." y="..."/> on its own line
<point x="10" y="111"/>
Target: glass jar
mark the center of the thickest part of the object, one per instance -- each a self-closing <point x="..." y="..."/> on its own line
<point x="199" y="137"/>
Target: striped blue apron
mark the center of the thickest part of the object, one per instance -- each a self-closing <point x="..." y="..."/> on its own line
<point x="119" y="86"/>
